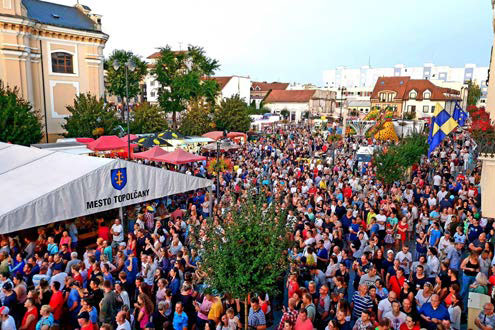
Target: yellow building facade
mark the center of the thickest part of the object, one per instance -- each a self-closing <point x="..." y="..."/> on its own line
<point x="51" y="53"/>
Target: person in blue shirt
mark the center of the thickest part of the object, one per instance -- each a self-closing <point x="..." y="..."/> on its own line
<point x="131" y="268"/>
<point x="433" y="313"/>
<point x="435" y="235"/>
<point x="74" y="301"/>
<point x="174" y="285"/>
<point x="180" y="317"/>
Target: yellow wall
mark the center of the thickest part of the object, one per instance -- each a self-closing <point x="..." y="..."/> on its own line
<point x="25" y="45"/>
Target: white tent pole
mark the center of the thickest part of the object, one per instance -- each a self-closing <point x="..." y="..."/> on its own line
<point x="121" y="217"/>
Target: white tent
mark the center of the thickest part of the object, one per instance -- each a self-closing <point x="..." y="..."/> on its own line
<point x="38" y="187"/>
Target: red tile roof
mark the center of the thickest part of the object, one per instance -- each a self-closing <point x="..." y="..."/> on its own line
<point x="404" y="85"/>
<point x="265" y="87"/>
<point x="421" y="85"/>
<point x="221" y="81"/>
<point x="395" y="84"/>
<point x="290" y="96"/>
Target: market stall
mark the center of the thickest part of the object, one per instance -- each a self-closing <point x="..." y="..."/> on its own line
<point x="180" y="156"/>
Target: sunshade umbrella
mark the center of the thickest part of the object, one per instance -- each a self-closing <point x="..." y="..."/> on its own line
<point x="169" y="135"/>
<point x="151" y="141"/>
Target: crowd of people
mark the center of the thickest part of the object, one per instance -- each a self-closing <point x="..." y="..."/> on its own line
<point x="364" y="254"/>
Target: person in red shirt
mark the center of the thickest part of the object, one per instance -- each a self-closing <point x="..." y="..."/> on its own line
<point x="397" y="281"/>
<point x="292" y="285"/>
<point x="410" y="324"/>
<point x="303" y="322"/>
<point x="83" y="320"/>
<point x="56" y="301"/>
<point x="103" y="230"/>
<point x="347" y="191"/>
<point x="31" y="316"/>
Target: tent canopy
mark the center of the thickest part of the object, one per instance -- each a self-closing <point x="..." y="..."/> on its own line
<point x="151" y="154"/>
<point x="41" y="186"/>
<point x="133" y="137"/>
<point x="197" y="139"/>
<point x="108" y="142"/>
<point x="215" y="135"/>
<point x="180" y="156"/>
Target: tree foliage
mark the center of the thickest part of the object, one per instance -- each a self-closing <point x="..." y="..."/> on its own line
<point x="474" y="93"/>
<point x="246" y="255"/>
<point x="392" y="164"/>
<point x="232" y="115"/>
<point x="89" y="113"/>
<point x="196" y="120"/>
<point x="388" y="168"/>
<point x="19" y="124"/>
<point x="181" y="78"/>
<point x="148" y="118"/>
<point x="116" y="82"/>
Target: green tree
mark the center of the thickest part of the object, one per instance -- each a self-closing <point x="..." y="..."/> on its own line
<point x="285" y="113"/>
<point x="181" y="76"/>
<point x="148" y="118"/>
<point x="89" y="113"/>
<point x="474" y="93"/>
<point x="246" y="255"/>
<point x="232" y="115"/>
<point x="389" y="166"/>
<point x="19" y="124"/>
<point x="116" y="79"/>
<point x="412" y="148"/>
<point x="196" y="120"/>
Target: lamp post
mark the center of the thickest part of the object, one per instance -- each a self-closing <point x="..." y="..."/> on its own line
<point x="128" y="66"/>
<point x="342" y="89"/>
<point x="218" y="171"/>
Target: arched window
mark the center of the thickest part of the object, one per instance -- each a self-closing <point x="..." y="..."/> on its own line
<point x="427" y="95"/>
<point x="62" y="63"/>
<point x="413" y="94"/>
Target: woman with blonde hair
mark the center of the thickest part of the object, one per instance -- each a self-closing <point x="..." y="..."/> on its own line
<point x="46" y="320"/>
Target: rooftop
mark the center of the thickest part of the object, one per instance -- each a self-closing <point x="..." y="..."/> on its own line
<point x="290" y="96"/>
<point x="59" y="15"/>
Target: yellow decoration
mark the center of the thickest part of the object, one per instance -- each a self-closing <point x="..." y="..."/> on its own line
<point x="387" y="132"/>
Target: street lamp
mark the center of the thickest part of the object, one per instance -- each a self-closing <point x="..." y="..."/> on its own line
<point x="219" y="141"/>
<point x="128" y="66"/>
<point x="342" y="89"/>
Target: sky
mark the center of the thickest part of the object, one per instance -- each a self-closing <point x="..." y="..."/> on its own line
<point x="295" y="41"/>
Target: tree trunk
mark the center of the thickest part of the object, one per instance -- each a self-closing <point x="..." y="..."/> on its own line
<point x="174" y="120"/>
<point x="246" y="312"/>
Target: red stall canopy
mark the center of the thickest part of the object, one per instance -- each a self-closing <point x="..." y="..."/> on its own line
<point x="151" y="154"/>
<point x="215" y="135"/>
<point x="133" y="137"/>
<point x="84" y="140"/>
<point x="108" y="142"/>
<point x="180" y="156"/>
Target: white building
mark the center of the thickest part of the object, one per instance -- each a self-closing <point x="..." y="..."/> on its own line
<point x="367" y="76"/>
<point x="235" y="85"/>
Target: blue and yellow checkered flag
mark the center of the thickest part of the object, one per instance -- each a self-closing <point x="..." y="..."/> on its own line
<point x="442" y="124"/>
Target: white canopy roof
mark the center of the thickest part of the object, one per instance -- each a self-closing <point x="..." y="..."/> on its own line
<point x="38" y="187"/>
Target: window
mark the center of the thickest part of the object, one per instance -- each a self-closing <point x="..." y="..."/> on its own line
<point x="152" y="94"/>
<point x="383" y="97"/>
<point x="62" y="63"/>
<point x="390" y="97"/>
<point x="427" y="95"/>
<point x="432" y="109"/>
<point x="426" y="108"/>
<point x="413" y="94"/>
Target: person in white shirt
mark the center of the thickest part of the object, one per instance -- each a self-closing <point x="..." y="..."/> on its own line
<point x="122" y="323"/>
<point x="395" y="316"/>
<point x="118" y="233"/>
<point x="8" y="322"/>
<point x="405" y="259"/>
